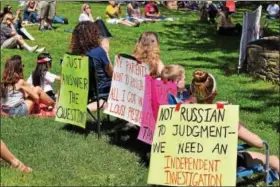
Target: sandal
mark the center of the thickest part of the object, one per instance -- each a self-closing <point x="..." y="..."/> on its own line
<point x="21" y="167"/>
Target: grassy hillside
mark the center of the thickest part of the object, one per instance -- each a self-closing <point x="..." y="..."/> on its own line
<point x="62" y="155"/>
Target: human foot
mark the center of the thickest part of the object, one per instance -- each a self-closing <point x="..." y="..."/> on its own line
<point x="21" y="167"/>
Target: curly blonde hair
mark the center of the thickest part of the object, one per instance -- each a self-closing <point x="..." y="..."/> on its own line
<point x="147" y="51"/>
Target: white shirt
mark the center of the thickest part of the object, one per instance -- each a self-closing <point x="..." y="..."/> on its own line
<point x="272" y="9"/>
<point x="85" y="17"/>
<point x="48" y="81"/>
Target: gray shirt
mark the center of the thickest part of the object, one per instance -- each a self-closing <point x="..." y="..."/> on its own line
<point x="6" y="33"/>
<point x="14" y="97"/>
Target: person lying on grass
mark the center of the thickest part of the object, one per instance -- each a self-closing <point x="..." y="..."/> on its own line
<point x="11" y="159"/>
<point x="42" y="77"/>
<point x="17" y="97"/>
<point x="86" y="40"/>
<point x="147" y="51"/>
<point x="204" y="89"/>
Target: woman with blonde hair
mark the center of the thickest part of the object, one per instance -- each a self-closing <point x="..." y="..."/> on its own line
<point x="147" y="51"/>
<point x="86" y="13"/>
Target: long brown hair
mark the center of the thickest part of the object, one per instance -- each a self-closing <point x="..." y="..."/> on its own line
<point x="86" y="36"/>
<point x="203" y="86"/>
<point x="13" y="72"/>
<point x="147" y="51"/>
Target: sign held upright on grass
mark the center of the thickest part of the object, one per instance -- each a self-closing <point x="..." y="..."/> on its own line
<point x="126" y="96"/>
<point x="73" y="99"/>
<point x="250" y="32"/>
<point x="195" y="145"/>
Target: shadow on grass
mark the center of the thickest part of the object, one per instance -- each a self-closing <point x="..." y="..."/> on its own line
<point x="254" y="181"/>
<point x="199" y="37"/>
<point x="269" y="99"/>
<point x="125" y="138"/>
<point x="227" y="64"/>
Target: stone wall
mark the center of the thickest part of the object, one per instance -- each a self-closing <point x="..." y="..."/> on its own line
<point x="262" y="59"/>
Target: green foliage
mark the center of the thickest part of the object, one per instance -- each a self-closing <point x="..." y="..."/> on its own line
<point x="61" y="157"/>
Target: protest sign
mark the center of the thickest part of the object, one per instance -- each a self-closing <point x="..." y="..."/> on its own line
<point x="195" y="145"/>
<point x="125" y="100"/>
<point x="156" y="93"/>
<point x="72" y="103"/>
<point x="250" y="32"/>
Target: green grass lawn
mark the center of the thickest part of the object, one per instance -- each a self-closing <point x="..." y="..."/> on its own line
<point x="62" y="155"/>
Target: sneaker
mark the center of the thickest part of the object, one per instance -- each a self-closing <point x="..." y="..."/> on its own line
<point x="40" y="50"/>
<point x="32" y="49"/>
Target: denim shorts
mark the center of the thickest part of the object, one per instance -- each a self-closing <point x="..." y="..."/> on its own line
<point x="20" y="109"/>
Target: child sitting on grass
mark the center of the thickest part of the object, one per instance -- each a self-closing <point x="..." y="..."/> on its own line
<point x="17" y="97"/>
<point x="42" y="77"/>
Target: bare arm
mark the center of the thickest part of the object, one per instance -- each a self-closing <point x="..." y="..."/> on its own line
<point x="14" y="32"/>
<point x="17" y="15"/>
<point x="109" y="70"/>
<point x="249" y="137"/>
<point x="22" y="85"/>
<point x="58" y="78"/>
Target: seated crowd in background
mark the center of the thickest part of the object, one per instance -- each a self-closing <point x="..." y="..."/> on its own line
<point x="42" y="12"/>
<point x="113" y="13"/>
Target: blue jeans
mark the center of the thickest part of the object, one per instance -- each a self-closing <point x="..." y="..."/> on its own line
<point x="58" y="19"/>
<point x="30" y="16"/>
<point x="18" y="110"/>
